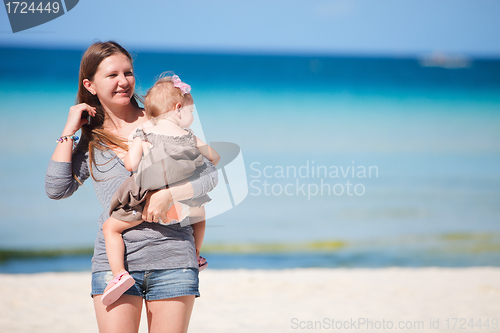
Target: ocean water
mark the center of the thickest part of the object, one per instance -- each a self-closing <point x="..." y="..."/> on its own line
<point x="352" y="162"/>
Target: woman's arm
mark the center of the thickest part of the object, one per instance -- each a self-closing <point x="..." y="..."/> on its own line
<point x="62" y="179"/>
<point x="68" y="169"/>
<point x="204" y="179"/>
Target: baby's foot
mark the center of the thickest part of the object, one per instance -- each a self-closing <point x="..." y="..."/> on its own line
<point x="114" y="281"/>
<point x="202" y="263"/>
<point x="116" y="287"/>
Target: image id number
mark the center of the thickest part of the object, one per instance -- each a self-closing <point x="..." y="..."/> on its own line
<point x="463" y="323"/>
<point x="23" y="8"/>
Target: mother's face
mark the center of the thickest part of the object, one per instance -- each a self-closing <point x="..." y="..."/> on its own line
<point x="113" y="82"/>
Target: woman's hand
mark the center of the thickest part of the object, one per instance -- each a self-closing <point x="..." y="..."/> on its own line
<point x="158" y="202"/>
<point x="64" y="149"/>
<point x="75" y="121"/>
<point x="157" y="205"/>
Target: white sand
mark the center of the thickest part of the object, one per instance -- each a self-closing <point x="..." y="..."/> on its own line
<point x="295" y="300"/>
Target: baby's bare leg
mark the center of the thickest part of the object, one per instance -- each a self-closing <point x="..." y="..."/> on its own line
<point x="115" y="248"/>
<point x="198" y="217"/>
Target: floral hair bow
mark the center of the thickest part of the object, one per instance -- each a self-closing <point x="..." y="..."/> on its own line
<point x="184" y="87"/>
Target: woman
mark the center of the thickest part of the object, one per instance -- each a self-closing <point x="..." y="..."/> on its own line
<point x="161" y="259"/>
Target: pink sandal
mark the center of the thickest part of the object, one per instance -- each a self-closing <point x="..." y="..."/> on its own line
<point x="202" y="263"/>
<point x="122" y="283"/>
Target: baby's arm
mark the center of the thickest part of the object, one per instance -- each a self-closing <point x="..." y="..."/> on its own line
<point x="208" y="151"/>
<point x="134" y="155"/>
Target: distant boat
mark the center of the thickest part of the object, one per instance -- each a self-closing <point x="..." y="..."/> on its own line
<point x="439" y="59"/>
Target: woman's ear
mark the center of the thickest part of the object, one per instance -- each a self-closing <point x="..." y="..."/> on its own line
<point x="88" y="85"/>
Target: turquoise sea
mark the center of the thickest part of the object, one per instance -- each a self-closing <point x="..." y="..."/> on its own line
<point x="350" y="161"/>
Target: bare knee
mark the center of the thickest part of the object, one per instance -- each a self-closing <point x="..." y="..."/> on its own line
<point x="114" y="226"/>
<point x="110" y="227"/>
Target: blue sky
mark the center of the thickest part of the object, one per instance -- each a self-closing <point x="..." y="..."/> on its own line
<point x="357" y="27"/>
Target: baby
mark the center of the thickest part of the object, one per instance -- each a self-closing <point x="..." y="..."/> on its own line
<point x="162" y="152"/>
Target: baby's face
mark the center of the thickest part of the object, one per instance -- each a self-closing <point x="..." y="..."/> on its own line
<point x="186" y="116"/>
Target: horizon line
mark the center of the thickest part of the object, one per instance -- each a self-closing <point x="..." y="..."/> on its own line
<point x="268" y="52"/>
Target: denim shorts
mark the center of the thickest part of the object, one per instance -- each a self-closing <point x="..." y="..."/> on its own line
<point x="154" y="285"/>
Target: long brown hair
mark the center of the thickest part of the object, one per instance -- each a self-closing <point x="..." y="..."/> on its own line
<point x="94" y="133"/>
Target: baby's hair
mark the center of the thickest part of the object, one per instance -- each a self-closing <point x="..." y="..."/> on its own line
<point x="163" y="96"/>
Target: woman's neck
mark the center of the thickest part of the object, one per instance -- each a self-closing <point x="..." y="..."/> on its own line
<point x="120" y="119"/>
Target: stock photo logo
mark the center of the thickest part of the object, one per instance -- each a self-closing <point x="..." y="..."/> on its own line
<point x="310" y="180"/>
<point x="233" y="187"/>
<point x="25" y="15"/>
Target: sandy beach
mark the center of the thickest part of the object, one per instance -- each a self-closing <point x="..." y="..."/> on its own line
<point x="294" y="300"/>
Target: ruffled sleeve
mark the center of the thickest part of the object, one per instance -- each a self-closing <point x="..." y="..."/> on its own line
<point x="140" y="133"/>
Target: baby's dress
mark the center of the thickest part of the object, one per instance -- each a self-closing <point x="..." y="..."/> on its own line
<point x="169" y="160"/>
